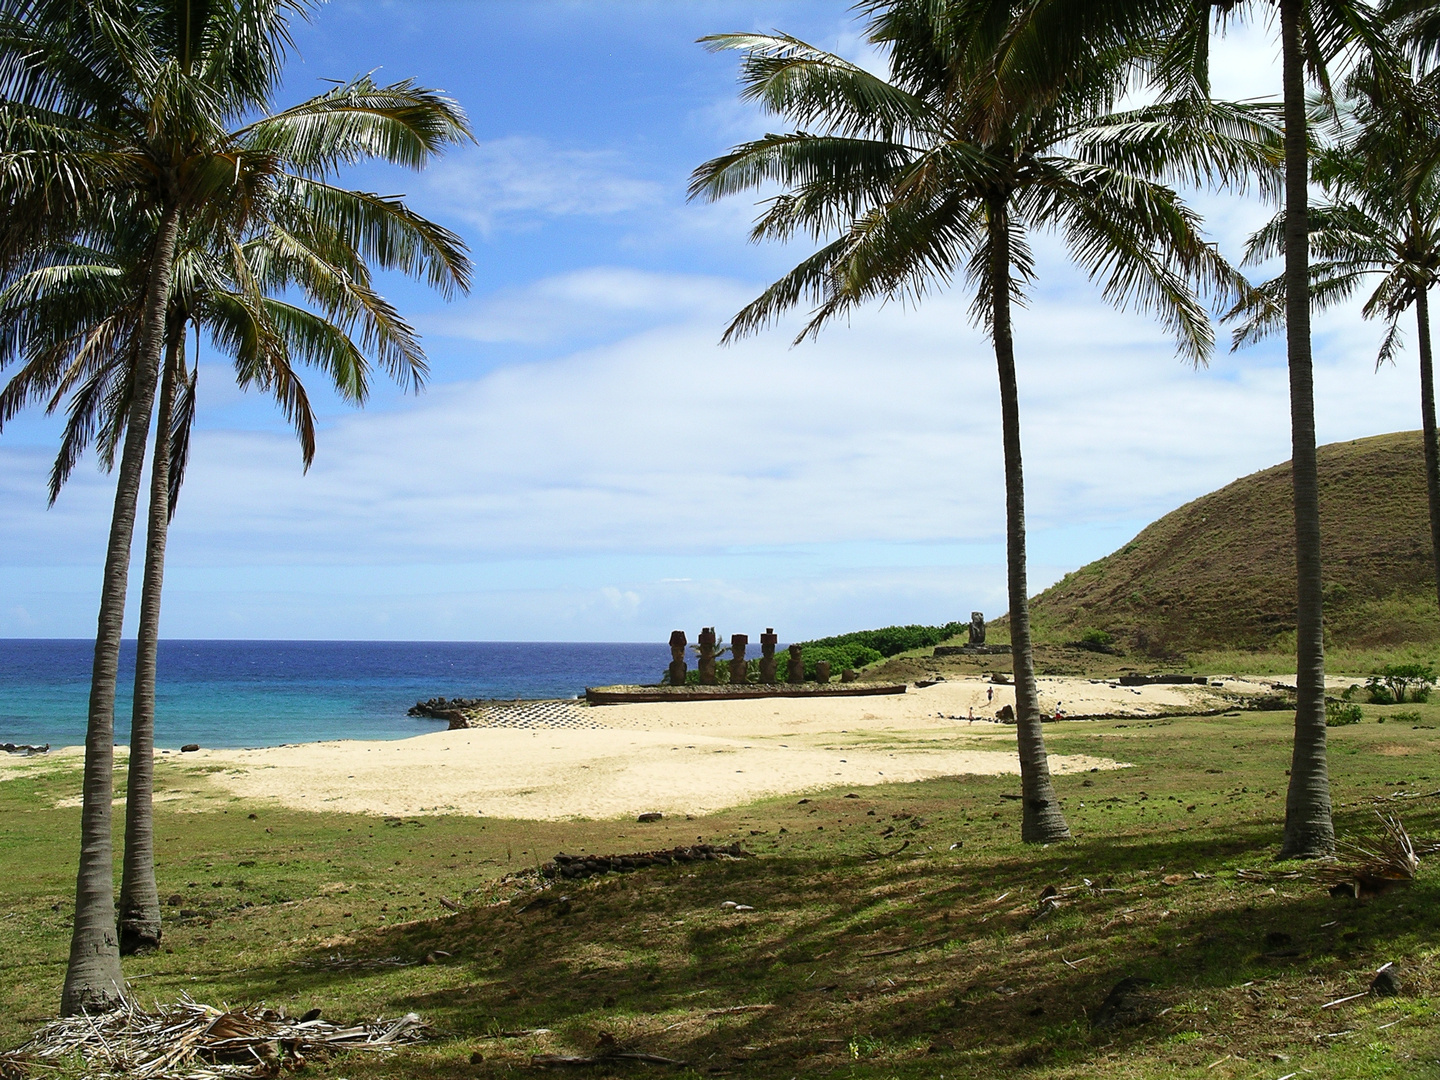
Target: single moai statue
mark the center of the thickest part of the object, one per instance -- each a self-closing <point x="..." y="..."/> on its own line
<point x="849" y="675"/>
<point x="822" y="671"/>
<point x="706" y="664"/>
<point x="977" y="628"/>
<point x="738" y="642"/>
<point x="768" y="663"/>
<point x="677" y="657"/>
<point x="795" y="673"/>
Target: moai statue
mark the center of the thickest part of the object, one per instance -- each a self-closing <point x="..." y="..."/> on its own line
<point x="849" y="675"/>
<point x="738" y="642"/>
<point x="977" y="628"/>
<point x="677" y="658"/>
<point x="822" y="671"/>
<point x="768" y="663"/>
<point x="706" y="641"/>
<point x="795" y="673"/>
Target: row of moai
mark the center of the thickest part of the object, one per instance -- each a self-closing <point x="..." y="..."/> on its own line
<point x="706" y="644"/>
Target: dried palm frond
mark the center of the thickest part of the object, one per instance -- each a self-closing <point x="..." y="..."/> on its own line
<point x="191" y="1041"/>
<point x="1372" y="865"/>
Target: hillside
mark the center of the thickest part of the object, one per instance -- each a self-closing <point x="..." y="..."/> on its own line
<point x="1219" y="572"/>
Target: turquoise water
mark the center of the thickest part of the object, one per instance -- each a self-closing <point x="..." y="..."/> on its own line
<point x="264" y="693"/>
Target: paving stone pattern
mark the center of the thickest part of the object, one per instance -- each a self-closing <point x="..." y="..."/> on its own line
<point x="532" y="714"/>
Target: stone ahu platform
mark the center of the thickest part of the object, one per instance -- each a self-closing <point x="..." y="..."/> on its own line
<point x="632" y="695"/>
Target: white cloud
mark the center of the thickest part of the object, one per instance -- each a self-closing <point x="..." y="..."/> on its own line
<point x="590" y="303"/>
<point x="514" y="180"/>
<point x="647" y="478"/>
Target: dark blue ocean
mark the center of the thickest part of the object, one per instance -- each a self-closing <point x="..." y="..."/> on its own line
<point x="263" y="693"/>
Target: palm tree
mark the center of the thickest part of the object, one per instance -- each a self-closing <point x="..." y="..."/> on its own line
<point x="1382" y="220"/>
<point x="1416" y="25"/>
<point x="109" y="104"/>
<point x="1312" y="34"/>
<point x="232" y="287"/>
<point x="268" y="335"/>
<point x="940" y="171"/>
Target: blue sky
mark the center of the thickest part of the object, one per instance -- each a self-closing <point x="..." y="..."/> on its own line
<point x="587" y="463"/>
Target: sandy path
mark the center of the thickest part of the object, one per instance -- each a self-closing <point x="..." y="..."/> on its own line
<point x="694" y="757"/>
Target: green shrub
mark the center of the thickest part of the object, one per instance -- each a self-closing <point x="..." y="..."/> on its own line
<point x="1340" y="713"/>
<point x="1392" y="683"/>
<point x="1094" y="636"/>
<point x="1405" y="717"/>
<point x="891" y="640"/>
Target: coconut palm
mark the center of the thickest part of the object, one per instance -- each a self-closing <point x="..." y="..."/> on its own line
<point x="1312" y="34"/>
<point x="942" y="169"/>
<point x="1416" y="25"/>
<point x="217" y="288"/>
<point x="140" y="106"/>
<point x="1381" y="221"/>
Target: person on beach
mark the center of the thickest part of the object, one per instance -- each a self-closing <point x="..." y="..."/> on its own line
<point x="989" y="694"/>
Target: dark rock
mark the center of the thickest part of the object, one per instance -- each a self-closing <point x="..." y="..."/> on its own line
<point x="1386" y="982"/>
<point x="1126" y="1005"/>
<point x="190" y="748"/>
<point x="652" y="815"/>
<point x="440" y="708"/>
<point x="582" y="866"/>
<point x="313" y="1014"/>
<point x="1164" y="680"/>
<point x="1006" y="714"/>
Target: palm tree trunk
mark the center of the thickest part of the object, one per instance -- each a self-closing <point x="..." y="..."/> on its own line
<point x="1309" y="831"/>
<point x="1042" y="820"/>
<point x="139" y="898"/>
<point x="1427" y="424"/>
<point x="93" y="979"/>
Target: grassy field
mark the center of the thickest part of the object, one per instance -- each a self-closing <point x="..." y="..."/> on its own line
<point x="937" y="961"/>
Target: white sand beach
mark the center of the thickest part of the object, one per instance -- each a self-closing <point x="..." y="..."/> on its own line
<point x="676" y="758"/>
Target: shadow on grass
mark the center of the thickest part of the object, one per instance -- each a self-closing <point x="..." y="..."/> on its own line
<point x="893" y="961"/>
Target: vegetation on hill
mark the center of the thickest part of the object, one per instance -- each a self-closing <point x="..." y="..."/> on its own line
<point x="1219" y="572"/>
<point x="863" y="647"/>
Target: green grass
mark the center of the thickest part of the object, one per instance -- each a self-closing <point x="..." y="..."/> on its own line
<point x="933" y="962"/>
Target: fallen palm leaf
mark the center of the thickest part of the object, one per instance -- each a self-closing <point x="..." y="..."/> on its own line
<point x="1373" y="864"/>
<point x="192" y="1041"/>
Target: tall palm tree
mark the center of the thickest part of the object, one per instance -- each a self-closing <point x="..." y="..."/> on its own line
<point x="941" y="170"/>
<point x="104" y="104"/>
<point x="1381" y="220"/>
<point x="1312" y="34"/>
<point x="294" y="249"/>
<point x="141" y="106"/>
<point x="234" y="288"/>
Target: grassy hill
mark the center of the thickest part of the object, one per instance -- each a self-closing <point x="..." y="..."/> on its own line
<point x="1219" y="572"/>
